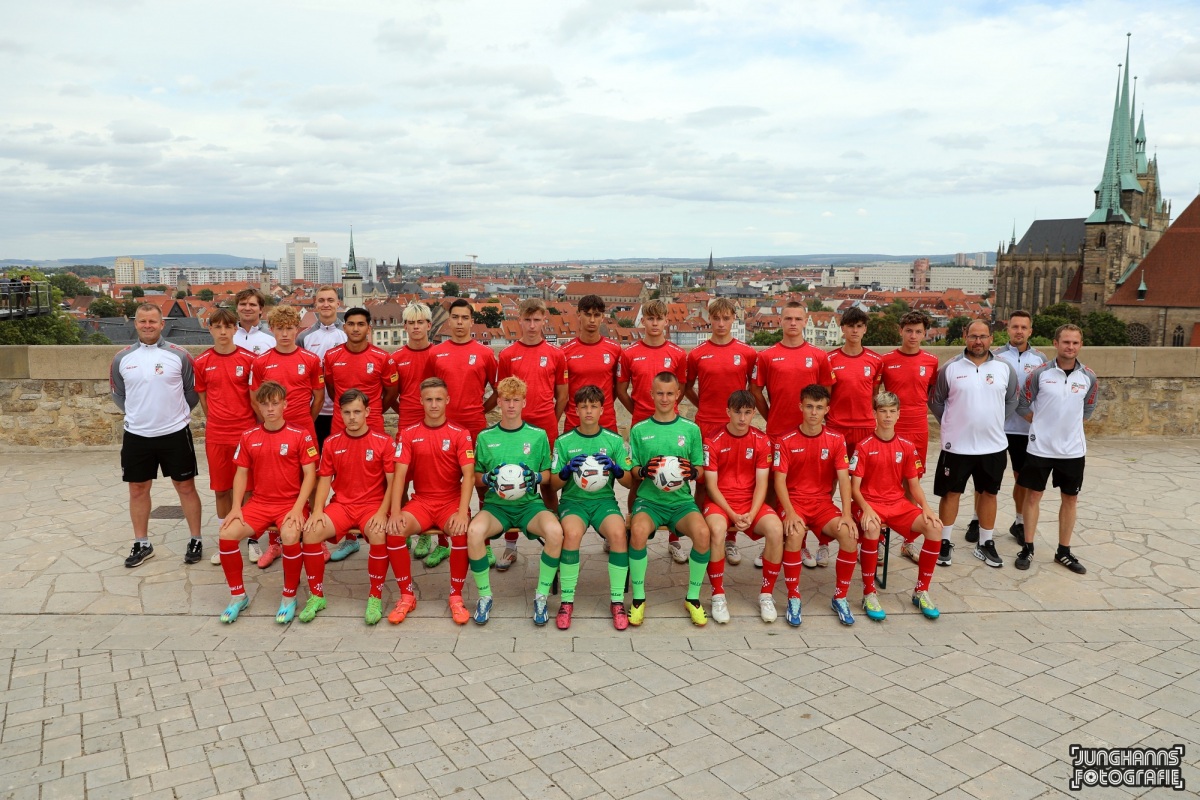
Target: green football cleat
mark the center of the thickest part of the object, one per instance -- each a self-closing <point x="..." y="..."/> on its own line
<point x="374" y="611"/>
<point x="314" y="606"/>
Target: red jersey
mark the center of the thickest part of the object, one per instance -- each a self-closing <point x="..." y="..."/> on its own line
<point x="784" y="372"/>
<point x="883" y="467"/>
<point x="442" y="452"/>
<point x="357" y="465"/>
<point x="854" y="382"/>
<point x="224" y="380"/>
<point x="467" y="369"/>
<point x="638" y="365"/>
<point x="596" y="364"/>
<point x="300" y="373"/>
<point x="370" y="371"/>
<point x="719" y="370"/>
<point x="811" y="463"/>
<point x="275" y="460"/>
<point x="543" y="368"/>
<point x="736" y="461"/>
<point x="414" y="366"/>
<point x="911" y="378"/>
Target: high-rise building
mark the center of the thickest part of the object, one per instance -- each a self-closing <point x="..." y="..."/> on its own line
<point x="461" y="269"/>
<point x="130" y="270"/>
<point x="981" y="260"/>
<point x="301" y="261"/>
<point x="330" y="270"/>
<point x="920" y="275"/>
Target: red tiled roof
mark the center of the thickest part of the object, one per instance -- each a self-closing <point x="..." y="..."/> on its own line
<point x="1169" y="269"/>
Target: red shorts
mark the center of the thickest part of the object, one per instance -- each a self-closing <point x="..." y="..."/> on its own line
<point x="817" y="513"/>
<point x="431" y="512"/>
<point x="221" y="468"/>
<point x="899" y="516"/>
<point x="344" y="517"/>
<point x="709" y="430"/>
<point x="712" y="509"/>
<point x="920" y="440"/>
<point x="547" y="424"/>
<point x="852" y="436"/>
<point x="260" y="516"/>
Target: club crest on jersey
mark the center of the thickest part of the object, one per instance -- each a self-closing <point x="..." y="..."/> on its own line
<point x="445" y="445"/>
<point x="989" y="378"/>
<point x="775" y="458"/>
<point x="370" y="455"/>
<point x="899" y="456"/>
<point x="608" y="358"/>
<point x="542" y="361"/>
<point x="824" y="453"/>
<point x="158" y="369"/>
<point x="370" y="367"/>
<point x="667" y="362"/>
<point x="922" y="372"/>
<point x="283" y="449"/>
<point x="525" y="448"/>
<point x="299" y="369"/>
<point x="808" y="362"/>
<point x="867" y="371"/>
<point x="239" y="371"/>
<point x="1076" y="388"/>
<point x="399" y="449"/>
<point x="682" y="441"/>
<point x="737" y="360"/>
<point x="471" y="359"/>
<point x="749" y="452"/>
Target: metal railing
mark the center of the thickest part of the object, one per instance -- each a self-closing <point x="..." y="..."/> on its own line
<point x="19" y="300"/>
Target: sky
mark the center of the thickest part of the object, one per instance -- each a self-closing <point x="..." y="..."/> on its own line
<point x="573" y="129"/>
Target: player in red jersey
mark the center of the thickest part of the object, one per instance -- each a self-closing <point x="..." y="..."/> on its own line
<point x="541" y="366"/>
<point x="737" y="465"/>
<point x="885" y="472"/>
<point x="807" y="462"/>
<point x="856" y="377"/>
<point x="282" y="460"/>
<point x="639" y="363"/>
<point x="592" y="360"/>
<point x="358" y="364"/>
<point x="468" y="368"/>
<point x="716" y="369"/>
<point x="784" y="370"/>
<point x="909" y="372"/>
<point x="415" y="363"/>
<point x="358" y="464"/>
<point x="441" y="489"/>
<point x="223" y="383"/>
<point x="299" y="372"/>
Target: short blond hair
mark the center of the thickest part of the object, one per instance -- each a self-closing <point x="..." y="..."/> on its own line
<point x="656" y="309"/>
<point x="531" y="306"/>
<point x="722" y="305"/>
<point x="283" y="317"/>
<point x="511" y="387"/>
<point x="416" y="312"/>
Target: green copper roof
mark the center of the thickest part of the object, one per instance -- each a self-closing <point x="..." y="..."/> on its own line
<point x="351" y="264"/>
<point x="1120" y="162"/>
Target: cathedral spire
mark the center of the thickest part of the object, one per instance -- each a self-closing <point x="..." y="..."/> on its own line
<point x="1108" y="193"/>
<point x="351" y="263"/>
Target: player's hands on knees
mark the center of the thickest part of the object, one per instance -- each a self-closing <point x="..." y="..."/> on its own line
<point x="846" y="523"/>
<point x="932" y="523"/>
<point x="232" y="518"/>
<point x="378" y="523"/>
<point x="294" y="519"/>
<point x="395" y="525"/>
<point x="457" y="524"/>
<point x="315" y="521"/>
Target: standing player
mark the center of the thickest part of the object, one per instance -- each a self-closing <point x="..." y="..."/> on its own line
<point x="1058" y="397"/>
<point x="299" y="372"/>
<point x="737" y="465"/>
<point x="885" y="473"/>
<point x="581" y="508"/>
<point x="639" y="363"/>
<point x="591" y="361"/>
<point x="542" y="368"/>
<point x="441" y="489"/>
<point x="223" y="384"/>
<point x="358" y="464"/>
<point x="250" y="334"/>
<point x="513" y="441"/>
<point x="154" y="384"/>
<point x="716" y="369"/>
<point x="974" y="394"/>
<point x="808" y="461"/>
<point x="324" y="334"/>
<point x="281" y="460"/>
<point x="414" y="361"/>
<point x="784" y="369"/>
<point x="650" y="442"/>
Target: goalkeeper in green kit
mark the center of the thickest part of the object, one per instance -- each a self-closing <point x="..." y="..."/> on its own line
<point x="582" y="506"/>
<point x="663" y="502"/>
<point x="516" y="447"/>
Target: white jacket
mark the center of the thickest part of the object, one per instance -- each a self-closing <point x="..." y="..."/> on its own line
<point x="1059" y="402"/>
<point x="971" y="403"/>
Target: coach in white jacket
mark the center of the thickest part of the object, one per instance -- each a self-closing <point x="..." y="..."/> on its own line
<point x="975" y="392"/>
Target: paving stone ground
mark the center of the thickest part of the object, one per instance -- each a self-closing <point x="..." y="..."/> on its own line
<point x="123" y="683"/>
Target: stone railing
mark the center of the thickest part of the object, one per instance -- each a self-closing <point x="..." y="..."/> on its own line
<point x="56" y="398"/>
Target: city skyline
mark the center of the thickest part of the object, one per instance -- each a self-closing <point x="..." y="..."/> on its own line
<point x="574" y="132"/>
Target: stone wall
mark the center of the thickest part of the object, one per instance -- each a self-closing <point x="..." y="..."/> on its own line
<point x="56" y="398"/>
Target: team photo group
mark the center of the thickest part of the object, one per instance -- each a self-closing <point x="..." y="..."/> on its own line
<point x="304" y="471"/>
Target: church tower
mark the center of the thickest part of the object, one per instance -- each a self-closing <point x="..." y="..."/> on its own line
<point x="710" y="276"/>
<point x="352" y="293"/>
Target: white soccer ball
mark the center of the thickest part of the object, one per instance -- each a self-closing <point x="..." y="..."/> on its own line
<point x="670" y="475"/>
<point x="591" y="477"/>
<point x="510" y="482"/>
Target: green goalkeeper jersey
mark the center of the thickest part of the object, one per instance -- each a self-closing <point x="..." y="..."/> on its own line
<point x="680" y="438"/>
<point x="573" y="444"/>
<point x="526" y="445"/>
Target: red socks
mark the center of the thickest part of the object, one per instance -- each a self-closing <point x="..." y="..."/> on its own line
<point x="928" y="562"/>
<point x="770" y="576"/>
<point x="868" y="556"/>
<point x="377" y="565"/>
<point x="845" y="572"/>
<point x="443" y="540"/>
<point x="397" y="555"/>
<point x="716" y="576"/>
<point x="292" y="564"/>
<point x="314" y="567"/>
<point x="231" y="563"/>
<point x="458" y="564"/>
<point x="791" y="572"/>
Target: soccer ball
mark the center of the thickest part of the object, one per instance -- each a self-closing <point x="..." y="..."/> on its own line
<point x="591" y="477"/>
<point x="670" y="475"/>
<point x="510" y="482"/>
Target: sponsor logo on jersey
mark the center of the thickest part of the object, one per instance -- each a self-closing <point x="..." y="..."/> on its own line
<point x="237" y="452"/>
<point x="471" y="454"/>
<point x="918" y="463"/>
<point x="312" y="451"/>
<point x="854" y="462"/>
<point x="775" y="458"/>
<point x="283" y="448"/>
<point x="370" y="454"/>
<point x="399" y="449"/>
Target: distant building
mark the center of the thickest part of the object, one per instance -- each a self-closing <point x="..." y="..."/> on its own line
<point x="199" y="275"/>
<point x="461" y="269"/>
<point x="970" y="279"/>
<point x="920" y="275"/>
<point x="624" y="293"/>
<point x="301" y="261"/>
<point x="329" y="270"/>
<point x="129" y="270"/>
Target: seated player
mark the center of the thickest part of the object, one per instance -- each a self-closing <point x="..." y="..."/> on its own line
<point x="441" y="489"/>
<point x="282" y="461"/>
<point x="358" y="464"/>
<point x="580" y="508"/>
<point x="807" y="461"/>
<point x="883" y="466"/>
<point x="737" y="463"/>
<point x="650" y="442"/>
<point x="513" y="441"/>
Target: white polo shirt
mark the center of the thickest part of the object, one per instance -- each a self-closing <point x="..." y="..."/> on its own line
<point x="971" y="403"/>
